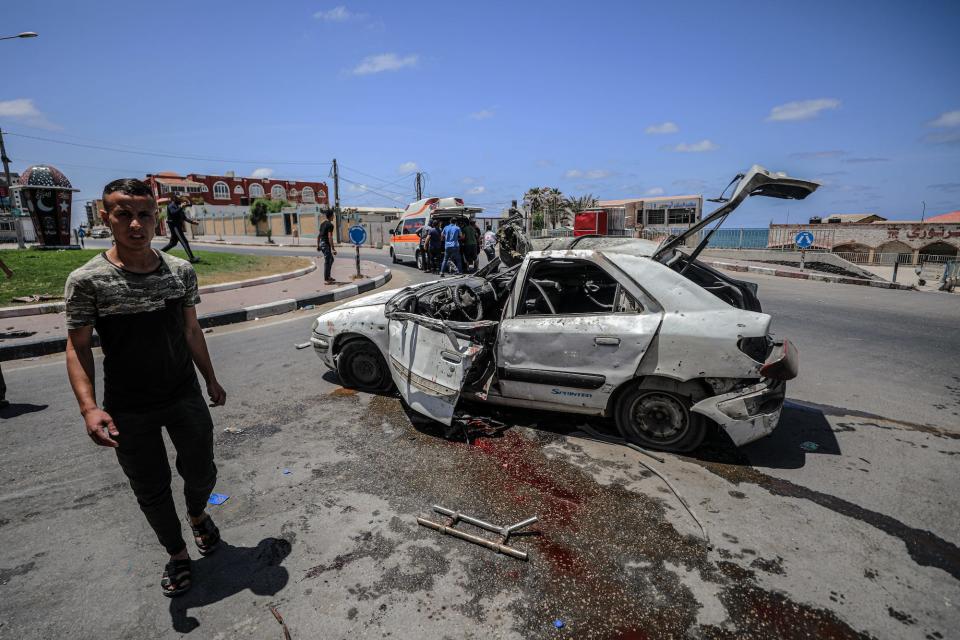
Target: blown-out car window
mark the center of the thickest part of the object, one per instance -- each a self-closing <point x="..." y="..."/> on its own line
<point x="572" y="287"/>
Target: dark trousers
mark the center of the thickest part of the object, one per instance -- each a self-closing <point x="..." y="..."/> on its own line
<point x="470" y="254"/>
<point x="143" y="457"/>
<point x="327" y="252"/>
<point x="451" y="255"/>
<point x="436" y="257"/>
<point x="177" y="235"/>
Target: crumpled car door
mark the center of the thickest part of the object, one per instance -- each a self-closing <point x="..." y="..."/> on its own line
<point x="428" y="363"/>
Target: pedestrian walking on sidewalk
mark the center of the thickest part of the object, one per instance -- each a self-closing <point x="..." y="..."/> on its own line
<point x="452" y="237"/>
<point x="142" y="303"/>
<point x="176" y="217"/>
<point x="325" y="246"/>
<point x="81" y="234"/>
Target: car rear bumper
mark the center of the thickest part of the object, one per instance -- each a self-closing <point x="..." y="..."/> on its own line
<point x="746" y="414"/>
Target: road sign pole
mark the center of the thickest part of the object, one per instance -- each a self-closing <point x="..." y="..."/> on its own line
<point x="803" y="259"/>
<point x="357" y="247"/>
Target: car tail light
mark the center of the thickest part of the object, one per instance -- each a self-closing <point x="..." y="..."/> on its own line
<point x="782" y="363"/>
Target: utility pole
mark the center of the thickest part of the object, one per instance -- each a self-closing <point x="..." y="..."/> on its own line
<point x="336" y="196"/>
<point x="17" y="224"/>
<point x="419" y="186"/>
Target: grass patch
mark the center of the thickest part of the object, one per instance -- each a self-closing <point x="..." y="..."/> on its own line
<point x="45" y="272"/>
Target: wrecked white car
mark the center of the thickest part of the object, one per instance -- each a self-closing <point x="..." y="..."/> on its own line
<point x="618" y="327"/>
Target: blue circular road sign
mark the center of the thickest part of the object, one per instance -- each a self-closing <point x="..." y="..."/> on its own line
<point x="803" y="239"/>
<point x="358" y="235"/>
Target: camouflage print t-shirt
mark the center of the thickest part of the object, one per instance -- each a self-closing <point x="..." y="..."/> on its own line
<point x="139" y="318"/>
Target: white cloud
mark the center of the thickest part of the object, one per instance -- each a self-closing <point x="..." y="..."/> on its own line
<point x="662" y="128"/>
<point x="945" y="119"/>
<point x="408" y="167"/>
<point x="695" y="147"/>
<point x="23" y="110"/>
<point x="592" y="174"/>
<point x="483" y="114"/>
<point x="654" y="191"/>
<point x="802" y="109"/>
<point x="477" y="190"/>
<point x="338" y="14"/>
<point x="384" y="62"/>
<point x="262" y="172"/>
<point x="468" y="180"/>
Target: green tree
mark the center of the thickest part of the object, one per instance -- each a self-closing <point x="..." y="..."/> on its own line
<point x="574" y="205"/>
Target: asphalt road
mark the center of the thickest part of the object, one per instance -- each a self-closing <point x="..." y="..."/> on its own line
<point x="857" y="538"/>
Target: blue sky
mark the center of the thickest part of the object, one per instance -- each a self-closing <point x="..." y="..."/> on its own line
<point x="617" y="99"/>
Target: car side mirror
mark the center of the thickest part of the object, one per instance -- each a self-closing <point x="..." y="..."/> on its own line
<point x="392" y="232"/>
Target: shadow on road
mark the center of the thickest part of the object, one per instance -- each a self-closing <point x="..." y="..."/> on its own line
<point x="782" y="449"/>
<point x="15" y="409"/>
<point x="333" y="378"/>
<point x="228" y="572"/>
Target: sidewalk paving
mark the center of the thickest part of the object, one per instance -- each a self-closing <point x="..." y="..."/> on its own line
<point x="31" y="336"/>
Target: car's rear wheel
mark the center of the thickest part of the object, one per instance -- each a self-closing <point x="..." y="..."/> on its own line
<point x="659" y="419"/>
<point x="360" y="365"/>
<point x="421" y="262"/>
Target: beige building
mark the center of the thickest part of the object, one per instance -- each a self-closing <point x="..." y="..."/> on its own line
<point x="657" y="213"/>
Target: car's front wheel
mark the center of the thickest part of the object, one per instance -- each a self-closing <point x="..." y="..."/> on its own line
<point x="360" y="365"/>
<point x="393" y="256"/>
<point x="421" y="261"/>
<point x="659" y="419"/>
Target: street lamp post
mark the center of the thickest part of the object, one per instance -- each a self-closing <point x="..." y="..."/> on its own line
<point x="17" y="222"/>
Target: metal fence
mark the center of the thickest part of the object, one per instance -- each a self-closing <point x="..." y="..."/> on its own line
<point x="889" y="259"/>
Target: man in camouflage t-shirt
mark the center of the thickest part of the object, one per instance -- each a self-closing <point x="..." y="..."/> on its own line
<point x="143" y="305"/>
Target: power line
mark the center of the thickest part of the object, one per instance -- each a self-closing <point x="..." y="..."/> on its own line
<point x="367" y="189"/>
<point x="163" y="154"/>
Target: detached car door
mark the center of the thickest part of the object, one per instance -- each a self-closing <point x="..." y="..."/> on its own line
<point x="428" y="363"/>
<point x="574" y="333"/>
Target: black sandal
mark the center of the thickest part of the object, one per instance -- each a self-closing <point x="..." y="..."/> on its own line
<point x="176" y="578"/>
<point x="206" y="535"/>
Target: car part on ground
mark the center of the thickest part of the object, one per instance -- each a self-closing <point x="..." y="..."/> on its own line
<point x="456" y="517"/>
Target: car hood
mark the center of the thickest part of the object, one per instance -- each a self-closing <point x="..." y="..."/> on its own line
<point x="371" y="300"/>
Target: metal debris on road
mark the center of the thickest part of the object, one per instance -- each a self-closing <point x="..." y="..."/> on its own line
<point x="276" y="614"/>
<point x="233" y="430"/>
<point x="809" y="446"/>
<point x="303" y="345"/>
<point x="287" y="472"/>
<point x="505" y="532"/>
<point x="218" y="498"/>
<point x="308" y="307"/>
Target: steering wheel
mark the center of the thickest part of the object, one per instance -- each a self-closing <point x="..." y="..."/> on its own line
<point x="590" y="287"/>
<point x="462" y="294"/>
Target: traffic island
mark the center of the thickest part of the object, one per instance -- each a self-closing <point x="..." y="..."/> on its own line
<point x="38" y="335"/>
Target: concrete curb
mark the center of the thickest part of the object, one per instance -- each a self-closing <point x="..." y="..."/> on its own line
<point x="48" y="346"/>
<point x="821" y="277"/>
<point x="58" y="307"/>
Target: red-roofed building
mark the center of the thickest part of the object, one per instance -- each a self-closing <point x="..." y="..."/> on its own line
<point x="231" y="190"/>
<point x="953" y="216"/>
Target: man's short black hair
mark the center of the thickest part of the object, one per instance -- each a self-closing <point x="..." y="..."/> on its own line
<point x="128" y="186"/>
<point x="328" y="213"/>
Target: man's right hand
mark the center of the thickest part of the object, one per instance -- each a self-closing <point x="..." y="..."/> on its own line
<point x="100" y="427"/>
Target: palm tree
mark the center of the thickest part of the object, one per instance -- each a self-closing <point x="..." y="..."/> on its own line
<point x="553" y="204"/>
<point x="574" y="205"/>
